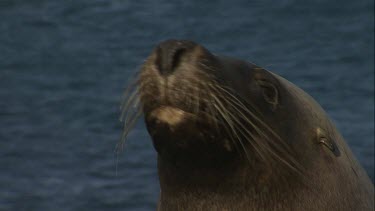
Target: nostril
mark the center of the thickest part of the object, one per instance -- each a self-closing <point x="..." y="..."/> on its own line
<point x="170" y="54"/>
<point x="177" y="55"/>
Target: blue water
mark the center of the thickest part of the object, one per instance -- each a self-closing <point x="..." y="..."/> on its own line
<point x="65" y="64"/>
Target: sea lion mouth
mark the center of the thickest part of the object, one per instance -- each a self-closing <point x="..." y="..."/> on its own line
<point x="174" y="130"/>
<point x="170" y="115"/>
<point x="175" y="122"/>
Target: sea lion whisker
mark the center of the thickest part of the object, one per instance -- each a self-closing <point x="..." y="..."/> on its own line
<point x="131" y="115"/>
<point x="194" y="98"/>
<point x="274" y="143"/>
<point x="196" y="89"/>
<point x="220" y="107"/>
<point x="241" y="105"/>
<point x="243" y="128"/>
<point x="209" y="108"/>
<point x="239" y="102"/>
<point x="133" y="83"/>
<point x="134" y="97"/>
<point x="232" y="132"/>
<point x="280" y="145"/>
<point x="215" y="112"/>
<point x="232" y="100"/>
<point x="269" y="149"/>
<point x="124" y="98"/>
<point x="128" y="125"/>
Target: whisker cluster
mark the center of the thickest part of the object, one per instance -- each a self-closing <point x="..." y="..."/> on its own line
<point x="130" y="111"/>
<point x="247" y="127"/>
<point x="222" y="108"/>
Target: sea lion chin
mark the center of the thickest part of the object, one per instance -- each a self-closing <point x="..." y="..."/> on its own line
<point x="231" y="135"/>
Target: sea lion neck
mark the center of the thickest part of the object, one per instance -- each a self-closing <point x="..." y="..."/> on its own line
<point x="213" y="175"/>
<point x="230" y="185"/>
<point x="184" y="174"/>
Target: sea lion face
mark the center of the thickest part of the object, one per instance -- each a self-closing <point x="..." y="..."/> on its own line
<point x="198" y="103"/>
<point x="201" y="106"/>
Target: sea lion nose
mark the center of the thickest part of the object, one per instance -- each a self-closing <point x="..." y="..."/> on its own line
<point x="169" y="54"/>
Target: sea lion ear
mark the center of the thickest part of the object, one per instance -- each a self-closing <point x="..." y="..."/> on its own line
<point x="326" y="140"/>
<point x="270" y="93"/>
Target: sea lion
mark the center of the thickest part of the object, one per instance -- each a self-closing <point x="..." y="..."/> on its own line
<point x="233" y="136"/>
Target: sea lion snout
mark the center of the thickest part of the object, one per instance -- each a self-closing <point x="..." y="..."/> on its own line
<point x="169" y="54"/>
<point x="176" y="75"/>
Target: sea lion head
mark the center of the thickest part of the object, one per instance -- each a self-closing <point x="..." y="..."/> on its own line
<point x="203" y="109"/>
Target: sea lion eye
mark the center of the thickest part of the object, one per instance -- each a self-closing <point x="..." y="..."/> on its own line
<point x="270" y="93"/>
<point x="327" y="142"/>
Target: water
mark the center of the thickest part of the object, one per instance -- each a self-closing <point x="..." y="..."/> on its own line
<point x="65" y="64"/>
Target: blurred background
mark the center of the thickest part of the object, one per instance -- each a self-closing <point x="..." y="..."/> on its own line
<point x="65" y="64"/>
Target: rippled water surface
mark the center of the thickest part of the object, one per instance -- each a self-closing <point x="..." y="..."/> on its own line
<point x="65" y="64"/>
